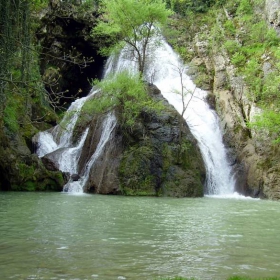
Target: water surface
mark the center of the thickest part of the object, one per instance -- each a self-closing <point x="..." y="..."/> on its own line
<point x="60" y="236"/>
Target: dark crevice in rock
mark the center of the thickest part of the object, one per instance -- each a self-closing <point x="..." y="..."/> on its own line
<point x="69" y="56"/>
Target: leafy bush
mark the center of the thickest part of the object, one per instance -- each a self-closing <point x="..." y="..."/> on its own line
<point x="268" y="121"/>
<point x="230" y="28"/>
<point x="244" y="7"/>
<point x="238" y="59"/>
<point x="127" y="93"/>
<point x="231" y="46"/>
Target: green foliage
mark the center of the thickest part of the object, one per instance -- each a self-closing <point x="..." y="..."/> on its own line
<point x="270" y="92"/>
<point x="271" y="38"/>
<point x="135" y="175"/>
<point x="238" y="59"/>
<point x="127" y="93"/>
<point x="87" y="5"/>
<point x="38" y="5"/>
<point x="268" y="121"/>
<point x="244" y="7"/>
<point x="253" y="77"/>
<point x="130" y="22"/>
<point x="183" y="6"/>
<point x="10" y="115"/>
<point x="231" y="46"/>
<point x="229" y="28"/>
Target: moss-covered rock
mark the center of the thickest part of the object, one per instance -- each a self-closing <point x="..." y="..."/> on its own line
<point x="20" y="170"/>
<point x="152" y="157"/>
<point x="157" y="160"/>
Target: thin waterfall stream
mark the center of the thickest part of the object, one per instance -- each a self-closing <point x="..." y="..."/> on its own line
<point x="164" y="70"/>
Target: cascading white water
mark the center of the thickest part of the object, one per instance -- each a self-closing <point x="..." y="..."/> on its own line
<point x="60" y="139"/>
<point x="203" y="122"/>
<point x="163" y="69"/>
<point x="108" y="125"/>
<point x="61" y="135"/>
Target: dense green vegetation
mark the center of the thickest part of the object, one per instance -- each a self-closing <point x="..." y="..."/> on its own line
<point x="239" y="29"/>
<point x="131" y="22"/>
<point x="20" y="80"/>
<point x="24" y="106"/>
<point x="126" y="92"/>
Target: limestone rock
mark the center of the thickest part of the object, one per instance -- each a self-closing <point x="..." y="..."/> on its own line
<point x="272" y="9"/>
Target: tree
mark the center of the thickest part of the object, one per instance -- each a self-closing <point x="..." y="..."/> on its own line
<point x="14" y="44"/>
<point x="182" y="6"/>
<point x="186" y="97"/>
<point x="131" y="22"/>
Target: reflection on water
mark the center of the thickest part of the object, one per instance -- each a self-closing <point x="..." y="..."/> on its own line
<point x="59" y="236"/>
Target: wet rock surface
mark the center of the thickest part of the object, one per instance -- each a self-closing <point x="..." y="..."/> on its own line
<point x="147" y="160"/>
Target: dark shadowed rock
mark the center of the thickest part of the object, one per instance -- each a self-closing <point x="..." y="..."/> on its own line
<point x="75" y="177"/>
<point x="70" y="55"/>
<point x="49" y="164"/>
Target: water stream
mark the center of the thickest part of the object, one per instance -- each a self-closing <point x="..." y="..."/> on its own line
<point x="170" y="75"/>
<point x="165" y="70"/>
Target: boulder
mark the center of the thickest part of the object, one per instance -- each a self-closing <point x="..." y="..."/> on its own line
<point x="148" y="159"/>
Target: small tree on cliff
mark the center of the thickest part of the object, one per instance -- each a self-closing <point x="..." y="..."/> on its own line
<point x="131" y="22"/>
<point x="186" y="96"/>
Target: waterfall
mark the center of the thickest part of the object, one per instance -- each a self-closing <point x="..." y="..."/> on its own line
<point x="167" y="71"/>
<point x="108" y="125"/>
<point x="163" y="69"/>
<point x="59" y="140"/>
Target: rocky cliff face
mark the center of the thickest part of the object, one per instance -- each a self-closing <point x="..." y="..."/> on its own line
<point x="20" y="170"/>
<point x="254" y="158"/>
<point x="147" y="160"/>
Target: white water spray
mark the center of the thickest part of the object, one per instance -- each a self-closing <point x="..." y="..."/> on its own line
<point x="203" y="122"/>
<point x="108" y="125"/>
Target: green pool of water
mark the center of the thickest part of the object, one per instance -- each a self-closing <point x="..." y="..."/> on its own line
<point x="61" y="236"/>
